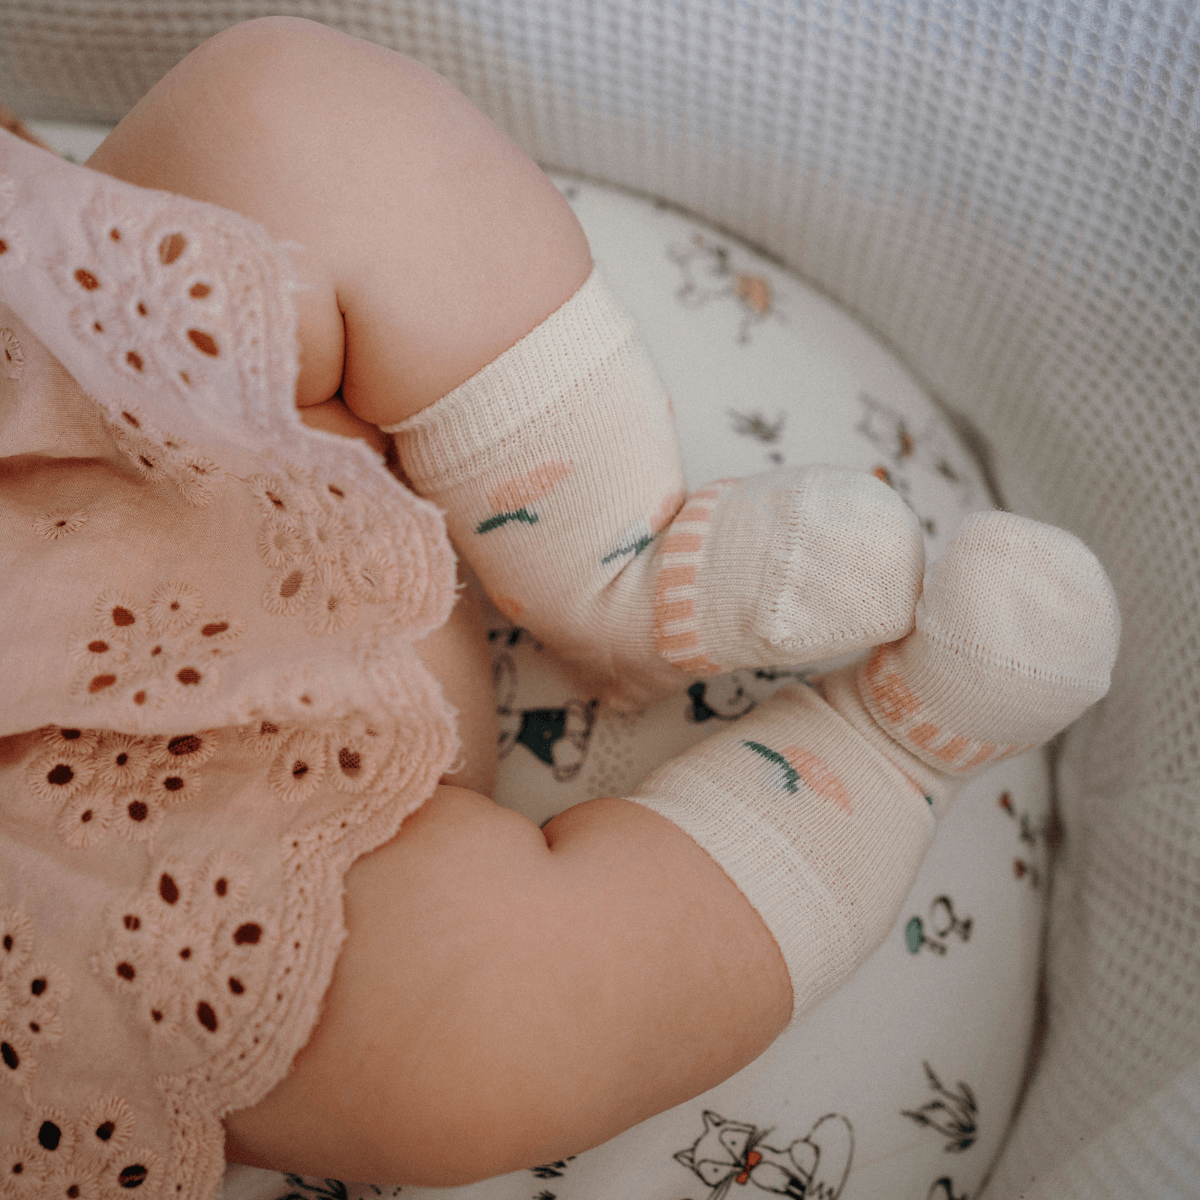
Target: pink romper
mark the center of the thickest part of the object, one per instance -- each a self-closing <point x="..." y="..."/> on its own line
<point x="210" y="704"/>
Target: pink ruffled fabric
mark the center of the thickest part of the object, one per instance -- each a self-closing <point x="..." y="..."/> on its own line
<point x="210" y="702"/>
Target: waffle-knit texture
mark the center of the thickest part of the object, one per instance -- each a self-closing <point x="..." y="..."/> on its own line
<point x="558" y="470"/>
<point x="1004" y="192"/>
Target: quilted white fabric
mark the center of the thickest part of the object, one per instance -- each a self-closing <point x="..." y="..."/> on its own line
<point x="1006" y="192"/>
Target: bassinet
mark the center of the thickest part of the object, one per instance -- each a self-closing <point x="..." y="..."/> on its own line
<point x="1006" y="192"/>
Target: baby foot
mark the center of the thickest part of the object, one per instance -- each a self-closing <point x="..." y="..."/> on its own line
<point x="820" y="803"/>
<point x="785" y="567"/>
<point x="1016" y="635"/>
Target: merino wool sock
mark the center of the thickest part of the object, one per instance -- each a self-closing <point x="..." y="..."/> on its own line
<point x="558" y="469"/>
<point x="820" y="804"/>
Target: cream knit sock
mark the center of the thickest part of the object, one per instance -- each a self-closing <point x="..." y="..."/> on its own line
<point x="559" y="472"/>
<point x="1016" y="635"/>
<point x="820" y="804"/>
<point x="819" y="830"/>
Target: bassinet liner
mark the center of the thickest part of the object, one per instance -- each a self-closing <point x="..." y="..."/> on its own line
<point x="211" y="703"/>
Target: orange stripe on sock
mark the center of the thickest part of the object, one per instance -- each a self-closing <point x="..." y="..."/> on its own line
<point x="923" y="734"/>
<point x="709" y="493"/>
<point x="682" y="543"/>
<point x="673" y="577"/>
<point x="953" y="749"/>
<point x="669" y="507"/>
<point x="668" y="643"/>
<point x="888" y="688"/>
<point x="819" y="778"/>
<point x="979" y="757"/>
<point x="694" y="512"/>
<point x="674" y="610"/>
<point x="895" y="701"/>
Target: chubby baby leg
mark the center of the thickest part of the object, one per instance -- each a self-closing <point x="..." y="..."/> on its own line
<point x="509" y="996"/>
<point x="426" y="242"/>
<point x="504" y="995"/>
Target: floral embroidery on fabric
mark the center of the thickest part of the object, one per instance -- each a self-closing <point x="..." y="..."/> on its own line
<point x="98" y="781"/>
<point x="351" y="756"/>
<point x="189" y="954"/>
<point x="81" y="1158"/>
<point x="12" y="361"/>
<point x="327" y="556"/>
<point x="149" y="655"/>
<point x="30" y="996"/>
<point x="59" y="523"/>
<point x="162" y="458"/>
<point x="142" y="294"/>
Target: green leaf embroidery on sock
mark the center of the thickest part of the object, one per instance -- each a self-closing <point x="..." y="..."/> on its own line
<point x="521" y="514"/>
<point x="790" y="774"/>
<point x="634" y="548"/>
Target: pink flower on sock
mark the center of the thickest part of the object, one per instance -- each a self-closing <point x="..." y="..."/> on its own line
<point x="820" y="779"/>
<point x="511" y="498"/>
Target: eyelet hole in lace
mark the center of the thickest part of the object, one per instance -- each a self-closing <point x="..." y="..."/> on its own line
<point x="171" y="247"/>
<point x="204" y="342"/>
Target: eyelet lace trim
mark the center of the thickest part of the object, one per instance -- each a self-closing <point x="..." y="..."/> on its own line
<point x="191" y="955"/>
<point x="31" y="994"/>
<point x="83" y="1155"/>
<point x="163" y="458"/>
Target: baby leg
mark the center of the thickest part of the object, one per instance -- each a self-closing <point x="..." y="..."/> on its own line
<point x="505" y="996"/>
<point x="559" y="472"/>
<point x="528" y="998"/>
<point x="425" y="241"/>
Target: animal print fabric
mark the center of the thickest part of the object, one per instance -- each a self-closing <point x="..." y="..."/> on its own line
<point x="211" y="703"/>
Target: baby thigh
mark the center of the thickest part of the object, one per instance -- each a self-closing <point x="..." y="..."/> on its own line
<point x="428" y="242"/>
<point x="507" y="997"/>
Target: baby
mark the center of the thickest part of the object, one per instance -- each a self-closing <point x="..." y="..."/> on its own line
<point x="508" y="995"/>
